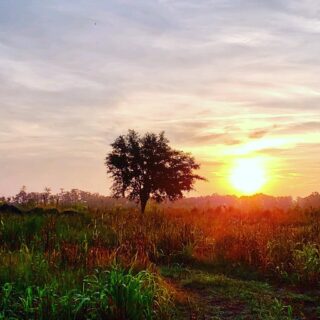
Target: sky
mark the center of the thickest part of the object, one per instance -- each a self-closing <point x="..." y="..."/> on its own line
<point x="225" y="79"/>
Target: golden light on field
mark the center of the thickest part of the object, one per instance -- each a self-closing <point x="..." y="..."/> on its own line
<point x="248" y="175"/>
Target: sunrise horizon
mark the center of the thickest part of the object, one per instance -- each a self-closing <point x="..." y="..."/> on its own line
<point x="192" y="194"/>
<point x="226" y="81"/>
<point x="160" y="159"/>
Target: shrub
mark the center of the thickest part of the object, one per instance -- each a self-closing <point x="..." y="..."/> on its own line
<point x="306" y="263"/>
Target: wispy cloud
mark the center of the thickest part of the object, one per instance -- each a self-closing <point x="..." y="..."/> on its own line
<point x="215" y="75"/>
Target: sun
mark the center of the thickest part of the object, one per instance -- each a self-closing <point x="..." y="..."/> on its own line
<point x="248" y="175"/>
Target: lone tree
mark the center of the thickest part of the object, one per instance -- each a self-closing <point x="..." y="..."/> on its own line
<point x="146" y="167"/>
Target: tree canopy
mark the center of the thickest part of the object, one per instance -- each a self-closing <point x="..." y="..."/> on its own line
<point x="144" y="167"/>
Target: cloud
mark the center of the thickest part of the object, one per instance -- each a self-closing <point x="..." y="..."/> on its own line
<point x="258" y="134"/>
<point x="215" y="138"/>
<point x="209" y="138"/>
<point x="303" y="127"/>
<point x="211" y="74"/>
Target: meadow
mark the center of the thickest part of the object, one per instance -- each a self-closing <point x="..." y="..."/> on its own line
<point x="112" y="262"/>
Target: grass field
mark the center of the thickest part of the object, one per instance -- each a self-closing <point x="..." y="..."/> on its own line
<point x="114" y="263"/>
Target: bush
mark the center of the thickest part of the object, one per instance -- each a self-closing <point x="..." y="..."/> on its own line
<point x="9" y="208"/>
<point x="306" y="263"/>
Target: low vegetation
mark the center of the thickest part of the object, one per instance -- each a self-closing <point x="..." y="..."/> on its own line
<point x="170" y="263"/>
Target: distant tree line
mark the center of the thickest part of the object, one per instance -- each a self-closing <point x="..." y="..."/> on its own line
<point x="76" y="197"/>
<point x="62" y="199"/>
<point x="257" y="201"/>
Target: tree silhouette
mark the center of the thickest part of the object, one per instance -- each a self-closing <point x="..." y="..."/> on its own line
<point x="147" y="167"/>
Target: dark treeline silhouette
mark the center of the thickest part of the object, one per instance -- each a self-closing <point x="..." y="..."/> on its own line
<point x="254" y="202"/>
<point x="76" y="198"/>
<point x="63" y="199"/>
<point x="311" y="201"/>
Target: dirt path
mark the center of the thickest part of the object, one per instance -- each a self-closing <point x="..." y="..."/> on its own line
<point x="203" y="296"/>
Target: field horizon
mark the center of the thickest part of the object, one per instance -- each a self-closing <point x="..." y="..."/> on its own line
<point x="86" y="257"/>
<point x="160" y="160"/>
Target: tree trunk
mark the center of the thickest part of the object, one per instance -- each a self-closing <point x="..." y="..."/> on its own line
<point x="143" y="201"/>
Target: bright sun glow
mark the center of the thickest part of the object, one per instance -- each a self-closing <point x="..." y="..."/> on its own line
<point x="248" y="175"/>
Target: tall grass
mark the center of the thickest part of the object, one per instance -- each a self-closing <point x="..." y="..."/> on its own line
<point x="92" y="265"/>
<point x="111" y="294"/>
